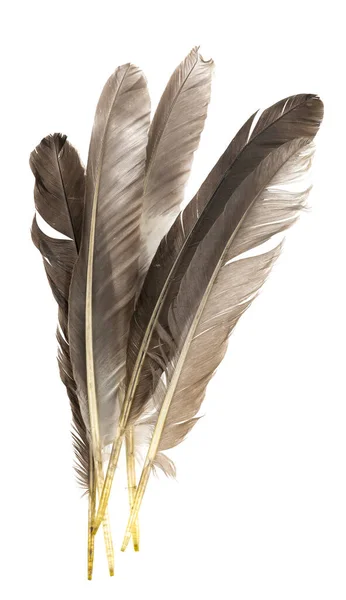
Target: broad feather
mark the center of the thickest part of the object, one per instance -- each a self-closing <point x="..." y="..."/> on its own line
<point x="297" y="116"/>
<point x="208" y="301"/>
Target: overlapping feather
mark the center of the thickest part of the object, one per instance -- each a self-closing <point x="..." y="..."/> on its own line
<point x="216" y="289"/>
<point x="173" y="138"/>
<point x="105" y="277"/>
<point x="261" y="207"/>
<point x="148" y="370"/>
<point x="150" y="342"/>
<point x="297" y="116"/>
<point x="59" y="200"/>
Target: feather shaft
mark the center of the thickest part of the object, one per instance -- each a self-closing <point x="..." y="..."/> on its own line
<point x="155" y="441"/>
<point x="131" y="480"/>
<point x="91" y="516"/>
<point x="112" y="465"/>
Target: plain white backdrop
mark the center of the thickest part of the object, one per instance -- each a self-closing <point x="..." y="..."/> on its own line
<point x="259" y="507"/>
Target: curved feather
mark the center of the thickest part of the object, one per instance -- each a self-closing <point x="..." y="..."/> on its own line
<point x="210" y="300"/>
<point x="59" y="183"/>
<point x="174" y="136"/>
<point x="105" y="276"/>
<point x="297" y="116"/>
<point x="59" y="199"/>
<point x="262" y="207"/>
<point x="150" y="344"/>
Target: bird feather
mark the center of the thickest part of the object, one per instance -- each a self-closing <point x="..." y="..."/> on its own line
<point x="174" y="136"/>
<point x="59" y="200"/>
<point x="211" y="299"/>
<point x="297" y="116"/>
<point x="105" y="276"/>
<point x="149" y="340"/>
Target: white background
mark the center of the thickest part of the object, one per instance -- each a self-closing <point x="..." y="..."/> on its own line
<point x="259" y="508"/>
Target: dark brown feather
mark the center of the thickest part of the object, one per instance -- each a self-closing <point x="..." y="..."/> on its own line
<point x="298" y="116"/>
<point x="59" y="199"/>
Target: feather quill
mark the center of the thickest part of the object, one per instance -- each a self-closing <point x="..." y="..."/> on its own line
<point x="297" y="116"/>
<point x="210" y="301"/>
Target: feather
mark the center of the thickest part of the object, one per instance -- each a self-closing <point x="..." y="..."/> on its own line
<point x="149" y="340"/>
<point x="174" y="136"/>
<point x="105" y="276"/>
<point x="298" y="116"/>
<point x="59" y="199"/>
<point x="210" y="300"/>
<point x="261" y="208"/>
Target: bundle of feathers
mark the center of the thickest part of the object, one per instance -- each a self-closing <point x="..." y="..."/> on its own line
<point x="148" y="295"/>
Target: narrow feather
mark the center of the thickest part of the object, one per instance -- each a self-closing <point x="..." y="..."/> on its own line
<point x="173" y="138"/>
<point x="104" y="280"/>
<point x="59" y="199"/>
